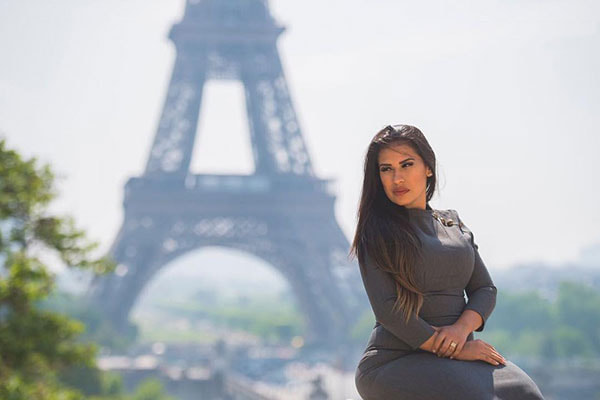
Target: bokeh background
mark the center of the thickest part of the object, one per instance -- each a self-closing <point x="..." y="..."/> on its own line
<point x="507" y="93"/>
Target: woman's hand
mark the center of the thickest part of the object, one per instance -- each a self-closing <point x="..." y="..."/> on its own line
<point x="479" y="350"/>
<point x="446" y="335"/>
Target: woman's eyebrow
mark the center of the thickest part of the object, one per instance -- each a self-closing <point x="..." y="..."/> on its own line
<point x="400" y="162"/>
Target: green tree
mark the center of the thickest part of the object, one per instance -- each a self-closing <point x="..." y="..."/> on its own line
<point x="526" y="324"/>
<point x="578" y="307"/>
<point x="521" y="311"/>
<point x="151" y="389"/>
<point x="38" y="347"/>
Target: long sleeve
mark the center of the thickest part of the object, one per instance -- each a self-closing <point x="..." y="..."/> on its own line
<point x="480" y="289"/>
<point x="381" y="291"/>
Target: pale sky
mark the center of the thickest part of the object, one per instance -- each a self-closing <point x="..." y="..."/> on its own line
<point x="507" y="93"/>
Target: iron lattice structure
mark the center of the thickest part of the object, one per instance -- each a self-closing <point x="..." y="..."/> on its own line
<point x="281" y="213"/>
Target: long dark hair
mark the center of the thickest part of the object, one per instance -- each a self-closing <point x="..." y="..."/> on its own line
<point x="383" y="233"/>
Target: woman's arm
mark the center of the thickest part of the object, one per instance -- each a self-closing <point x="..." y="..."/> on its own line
<point x="428" y="344"/>
<point x="381" y="291"/>
<point x="469" y="321"/>
<point x="480" y="290"/>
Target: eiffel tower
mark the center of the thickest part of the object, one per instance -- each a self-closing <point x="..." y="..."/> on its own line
<point x="282" y="213"/>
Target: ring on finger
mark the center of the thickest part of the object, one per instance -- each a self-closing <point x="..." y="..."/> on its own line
<point x="450" y="349"/>
<point x="453" y="347"/>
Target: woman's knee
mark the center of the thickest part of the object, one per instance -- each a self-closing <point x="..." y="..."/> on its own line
<point x="363" y="384"/>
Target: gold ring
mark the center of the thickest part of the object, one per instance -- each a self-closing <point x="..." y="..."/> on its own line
<point x="453" y="344"/>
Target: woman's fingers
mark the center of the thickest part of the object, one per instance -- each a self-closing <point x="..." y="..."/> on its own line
<point x="490" y="359"/>
<point x="437" y="343"/>
<point x="494" y="358"/>
<point x="494" y="352"/>
<point x="499" y="357"/>
<point x="439" y="346"/>
<point x="450" y="349"/>
<point x="459" y="348"/>
<point x="446" y="350"/>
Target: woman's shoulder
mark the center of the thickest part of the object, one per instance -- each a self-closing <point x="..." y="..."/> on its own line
<point x="446" y="212"/>
<point x="449" y="214"/>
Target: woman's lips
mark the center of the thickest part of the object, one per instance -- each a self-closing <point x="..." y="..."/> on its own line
<point x="400" y="192"/>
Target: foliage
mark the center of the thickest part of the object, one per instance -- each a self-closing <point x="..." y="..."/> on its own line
<point x="98" y="329"/>
<point x="524" y="323"/>
<point x="40" y="350"/>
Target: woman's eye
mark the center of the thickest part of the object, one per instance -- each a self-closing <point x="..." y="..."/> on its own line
<point x="383" y="169"/>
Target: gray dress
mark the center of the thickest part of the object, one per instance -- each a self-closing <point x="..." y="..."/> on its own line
<point x="393" y="367"/>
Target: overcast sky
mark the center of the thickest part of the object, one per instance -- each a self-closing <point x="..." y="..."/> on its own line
<point x="507" y="92"/>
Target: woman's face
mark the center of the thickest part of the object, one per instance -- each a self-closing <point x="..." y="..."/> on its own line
<point x="403" y="175"/>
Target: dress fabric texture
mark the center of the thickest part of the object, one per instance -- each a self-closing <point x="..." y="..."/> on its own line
<point x="393" y="367"/>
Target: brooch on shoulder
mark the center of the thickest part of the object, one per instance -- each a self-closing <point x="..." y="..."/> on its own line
<point x="444" y="221"/>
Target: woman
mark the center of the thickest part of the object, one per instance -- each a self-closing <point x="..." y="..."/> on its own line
<point x="416" y="263"/>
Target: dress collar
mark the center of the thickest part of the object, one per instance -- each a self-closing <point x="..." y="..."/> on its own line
<point x="419" y="211"/>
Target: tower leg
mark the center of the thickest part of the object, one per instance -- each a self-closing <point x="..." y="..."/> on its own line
<point x="174" y="141"/>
